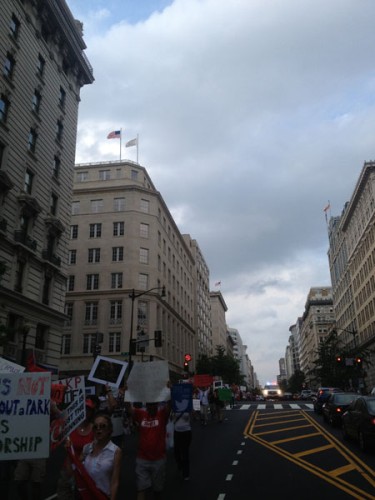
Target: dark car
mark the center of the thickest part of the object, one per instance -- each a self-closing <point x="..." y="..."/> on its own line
<point x="335" y="406"/>
<point x="322" y="396"/>
<point x="358" y="422"/>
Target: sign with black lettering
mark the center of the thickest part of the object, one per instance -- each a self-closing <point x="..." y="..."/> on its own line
<point x="24" y="415"/>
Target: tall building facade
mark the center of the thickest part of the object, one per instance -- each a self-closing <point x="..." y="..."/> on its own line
<point x="317" y="321"/>
<point x="202" y="314"/>
<point x="43" y="67"/>
<point x="219" y="326"/>
<point x="124" y="248"/>
<point x="352" y="267"/>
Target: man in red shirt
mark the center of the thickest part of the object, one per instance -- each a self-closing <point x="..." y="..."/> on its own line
<point x="151" y="455"/>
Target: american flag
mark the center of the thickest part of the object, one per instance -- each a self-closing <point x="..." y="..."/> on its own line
<point x="218" y="283"/>
<point x="116" y="134"/>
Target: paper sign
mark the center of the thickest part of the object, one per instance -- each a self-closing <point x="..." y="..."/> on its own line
<point x="107" y="371"/>
<point x="69" y="420"/>
<point x="196" y="405"/>
<point x="182" y="395"/>
<point x="147" y="382"/>
<point x="9" y="367"/>
<point x="203" y="380"/>
<point x="73" y="387"/>
<point x="58" y="393"/>
<point x="24" y="415"/>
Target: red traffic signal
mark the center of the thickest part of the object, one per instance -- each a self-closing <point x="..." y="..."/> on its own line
<point x="358" y="360"/>
<point x="187" y="357"/>
<point x="338" y="359"/>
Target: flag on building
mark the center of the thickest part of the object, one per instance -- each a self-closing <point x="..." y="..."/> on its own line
<point x="133" y="142"/>
<point x="116" y="134"/>
<point x="327" y="207"/>
<point x="218" y="283"/>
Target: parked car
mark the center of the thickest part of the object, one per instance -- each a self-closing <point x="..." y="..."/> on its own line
<point x="358" y="422"/>
<point x="336" y="405"/>
<point x="288" y="396"/>
<point x="322" y="396"/>
<point x="306" y="394"/>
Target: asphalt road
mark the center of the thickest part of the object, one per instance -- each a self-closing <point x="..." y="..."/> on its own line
<point x="235" y="460"/>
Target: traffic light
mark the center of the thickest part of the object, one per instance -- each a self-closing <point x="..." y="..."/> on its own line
<point x="358" y="361"/>
<point x="97" y="350"/>
<point x="158" y="338"/>
<point x="186" y="366"/>
<point x="187" y="357"/>
<point x="338" y="359"/>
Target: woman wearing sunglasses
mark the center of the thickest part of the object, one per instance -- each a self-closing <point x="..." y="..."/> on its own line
<point x="102" y="458"/>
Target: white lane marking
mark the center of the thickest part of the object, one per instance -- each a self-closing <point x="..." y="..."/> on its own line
<point x="239" y="452"/>
<point x="235" y="462"/>
<point x="221" y="496"/>
<point x="229" y="477"/>
<point x="310" y="405"/>
<point x="245" y="407"/>
<point x="278" y="407"/>
<point x="243" y="443"/>
<point x="261" y="407"/>
<point x="295" y="407"/>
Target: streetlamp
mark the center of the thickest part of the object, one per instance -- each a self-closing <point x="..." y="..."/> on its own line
<point x="134" y="296"/>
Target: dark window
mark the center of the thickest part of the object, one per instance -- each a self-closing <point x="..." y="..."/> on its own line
<point x="20" y="271"/>
<point x="59" y="130"/>
<point x="74" y="232"/>
<point x="9" y="66"/>
<point x="41" y="65"/>
<point x="118" y="229"/>
<point x="4" y="107"/>
<point x="41" y="336"/>
<point x="95" y="230"/>
<point x="94" y="255"/>
<point x="72" y="256"/>
<point x="32" y="140"/>
<point x="62" y="97"/>
<point x="14" y="26"/>
<point x="92" y="282"/>
<point x="46" y="290"/>
<point x="36" y="101"/>
<point x="71" y="280"/>
<point x="66" y="341"/>
<point x="53" y="206"/>
<point x="56" y="166"/>
<point x="28" y="185"/>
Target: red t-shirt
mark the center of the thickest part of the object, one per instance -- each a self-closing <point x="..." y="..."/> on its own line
<point x="152" y="433"/>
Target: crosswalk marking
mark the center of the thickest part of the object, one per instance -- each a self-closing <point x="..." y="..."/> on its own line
<point x="273" y="406"/>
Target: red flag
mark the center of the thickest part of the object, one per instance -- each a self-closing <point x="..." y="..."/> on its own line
<point x="85" y="484"/>
<point x="31" y="366"/>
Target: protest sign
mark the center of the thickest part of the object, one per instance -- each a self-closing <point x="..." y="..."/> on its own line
<point x="147" y="382"/>
<point x="196" y="404"/>
<point x="10" y="367"/>
<point x="203" y="380"/>
<point x="107" y="371"/>
<point x="182" y="395"/>
<point x="224" y="394"/>
<point x="58" y="393"/>
<point x="73" y="387"/>
<point x="24" y="415"/>
<point x="69" y="419"/>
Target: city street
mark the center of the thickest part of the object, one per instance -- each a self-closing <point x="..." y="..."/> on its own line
<point x="237" y="459"/>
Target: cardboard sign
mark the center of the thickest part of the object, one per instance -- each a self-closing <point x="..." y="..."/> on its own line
<point x="10" y="367"/>
<point x="224" y="394"/>
<point x="182" y="397"/>
<point x="107" y="371"/>
<point x="203" y="380"/>
<point x="69" y="420"/>
<point x="147" y="383"/>
<point x="24" y="415"/>
<point x="73" y="387"/>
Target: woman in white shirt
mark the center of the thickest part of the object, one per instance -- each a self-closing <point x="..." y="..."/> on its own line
<point x="102" y="458"/>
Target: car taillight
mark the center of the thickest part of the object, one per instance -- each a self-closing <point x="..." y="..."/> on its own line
<point x="339" y="410"/>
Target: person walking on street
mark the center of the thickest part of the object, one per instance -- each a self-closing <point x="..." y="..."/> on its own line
<point x="203" y="397"/>
<point x="151" y="455"/>
<point x="182" y="440"/>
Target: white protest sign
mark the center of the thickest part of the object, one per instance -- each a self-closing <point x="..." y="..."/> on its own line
<point x="24" y="415"/>
<point x="70" y="419"/>
<point x="147" y="382"/>
<point x="74" y="387"/>
<point x="10" y="367"/>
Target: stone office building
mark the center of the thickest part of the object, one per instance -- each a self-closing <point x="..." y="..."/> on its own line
<point x="124" y="251"/>
<point x="43" y="68"/>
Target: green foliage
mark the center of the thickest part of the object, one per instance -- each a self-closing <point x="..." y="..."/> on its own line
<point x="296" y="381"/>
<point x="221" y="365"/>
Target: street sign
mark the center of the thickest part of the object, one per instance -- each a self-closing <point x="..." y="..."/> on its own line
<point x="125" y="354"/>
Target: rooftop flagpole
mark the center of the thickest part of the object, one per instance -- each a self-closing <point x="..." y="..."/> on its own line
<point x="120" y="141"/>
<point x="137" y="147"/>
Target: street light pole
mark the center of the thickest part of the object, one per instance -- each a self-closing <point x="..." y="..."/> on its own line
<point x="134" y="296"/>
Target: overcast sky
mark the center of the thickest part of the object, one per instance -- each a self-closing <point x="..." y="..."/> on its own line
<point x="251" y="115"/>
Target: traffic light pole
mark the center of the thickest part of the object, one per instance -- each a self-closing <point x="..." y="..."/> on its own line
<point x="134" y="296"/>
